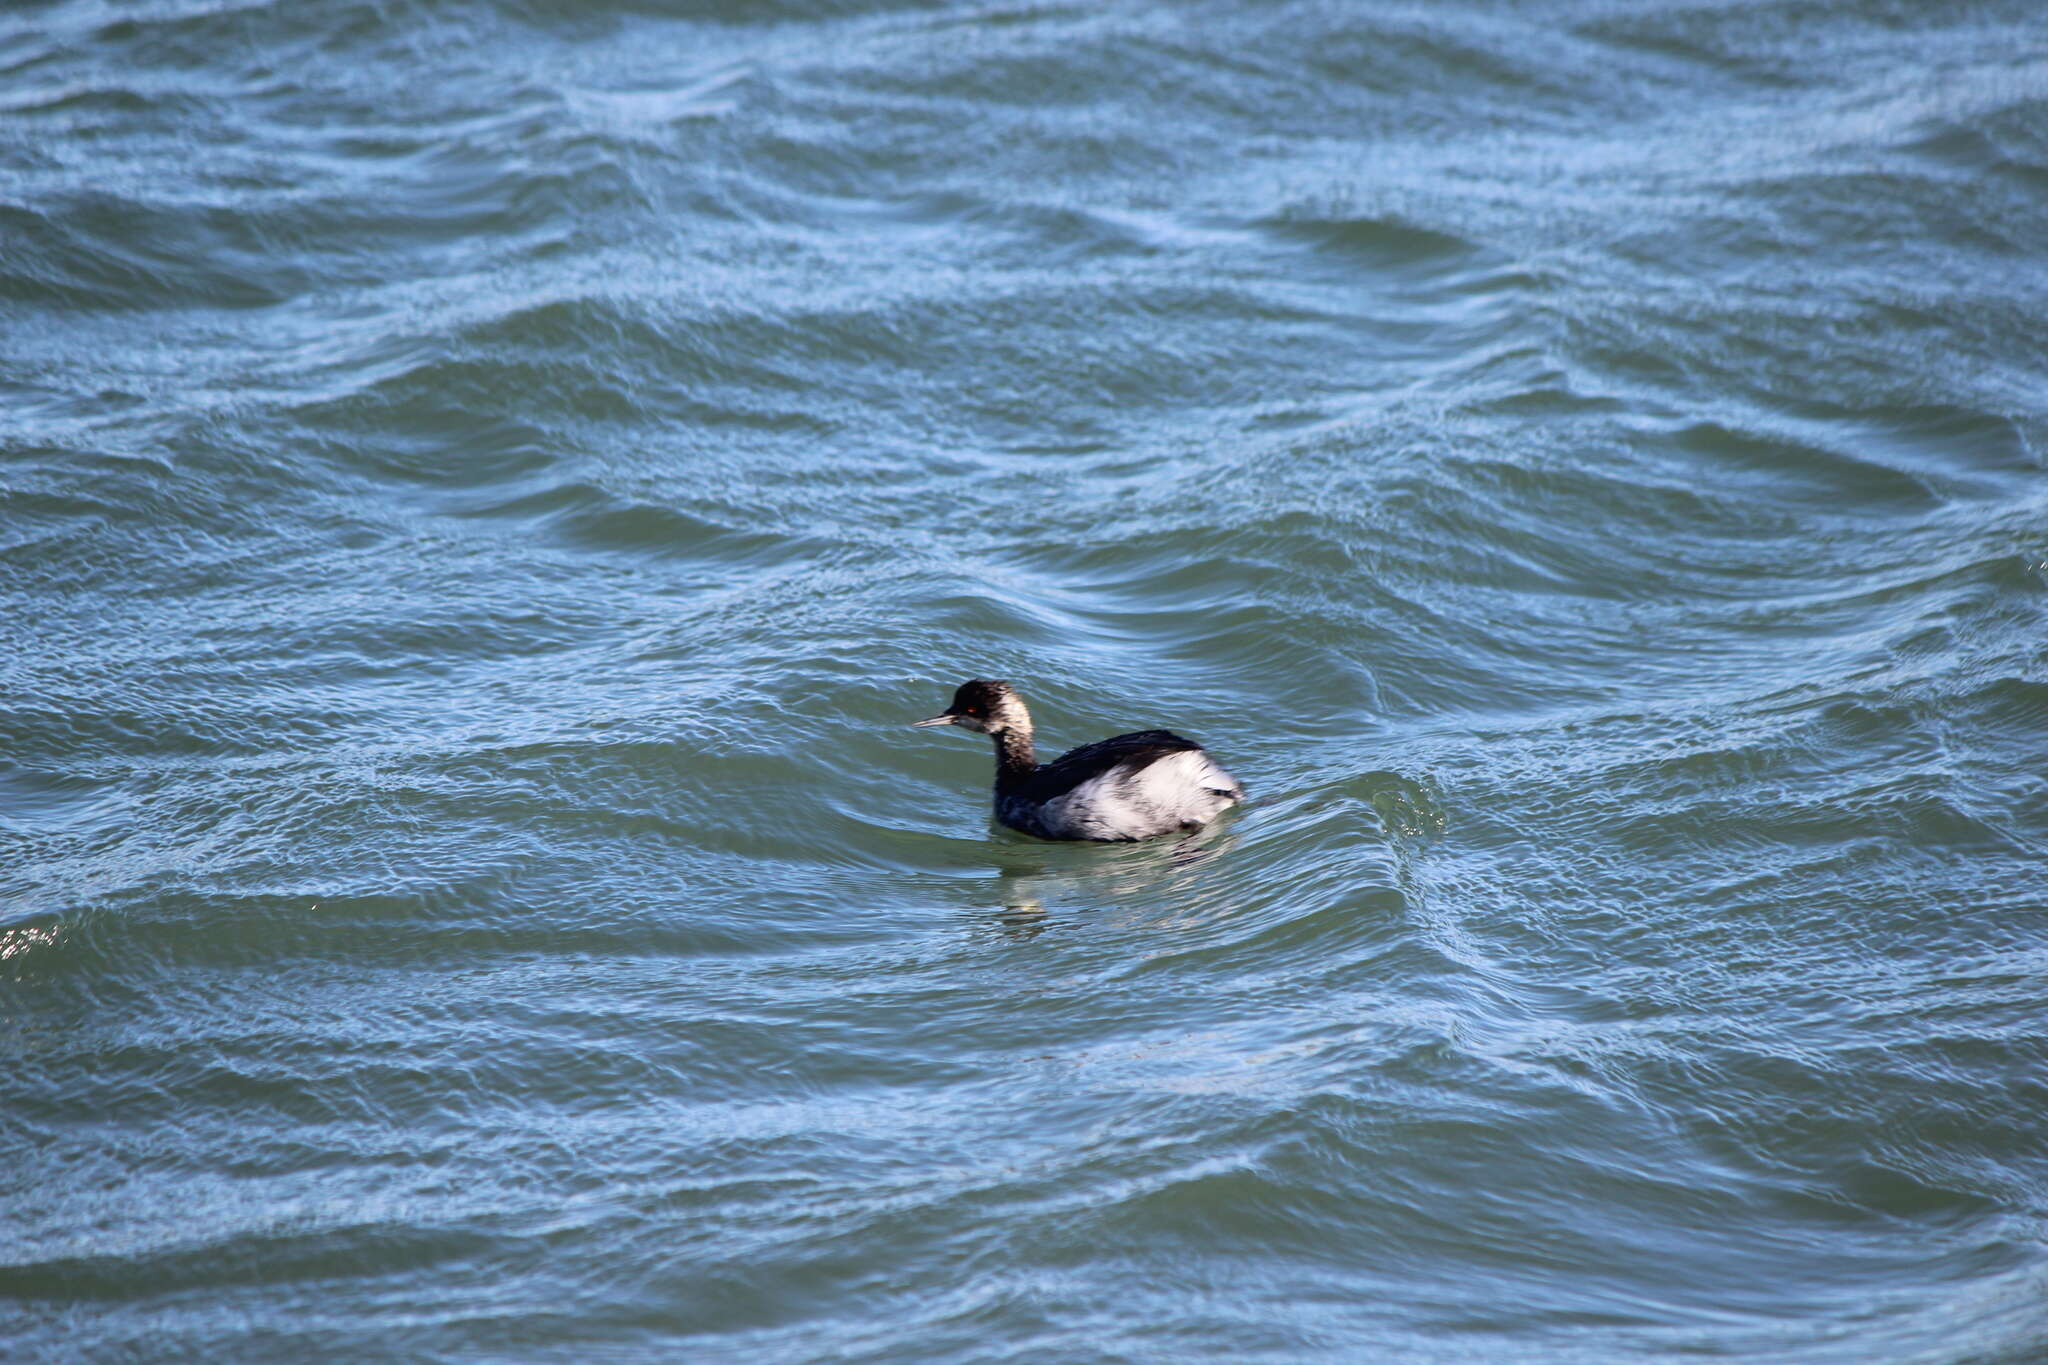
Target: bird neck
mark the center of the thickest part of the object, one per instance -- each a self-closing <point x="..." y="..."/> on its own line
<point x="1016" y="759"/>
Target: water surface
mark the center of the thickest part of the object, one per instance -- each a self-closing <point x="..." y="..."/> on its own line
<point x="483" y="485"/>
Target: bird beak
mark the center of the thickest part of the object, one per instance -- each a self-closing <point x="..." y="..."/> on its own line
<point x="943" y="718"/>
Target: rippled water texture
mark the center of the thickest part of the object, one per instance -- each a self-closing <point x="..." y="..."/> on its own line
<point x="485" y="485"/>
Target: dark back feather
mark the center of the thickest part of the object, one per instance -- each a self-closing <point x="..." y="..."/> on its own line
<point x="1136" y="750"/>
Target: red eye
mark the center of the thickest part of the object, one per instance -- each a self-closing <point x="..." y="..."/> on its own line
<point x="974" y="710"/>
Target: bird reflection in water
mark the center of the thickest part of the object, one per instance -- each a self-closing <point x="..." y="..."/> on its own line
<point x="1034" y="880"/>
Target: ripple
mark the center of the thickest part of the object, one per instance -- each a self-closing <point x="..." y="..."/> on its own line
<point x="1382" y="244"/>
<point x="482" y="489"/>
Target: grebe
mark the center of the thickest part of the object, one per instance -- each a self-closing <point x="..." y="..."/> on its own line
<point x="1131" y="787"/>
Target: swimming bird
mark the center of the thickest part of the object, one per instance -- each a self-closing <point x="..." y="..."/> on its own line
<point x="1131" y="786"/>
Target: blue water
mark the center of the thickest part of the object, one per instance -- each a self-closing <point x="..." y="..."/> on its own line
<point x="484" y="486"/>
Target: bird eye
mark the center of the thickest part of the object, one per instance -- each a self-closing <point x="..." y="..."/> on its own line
<point x="974" y="710"/>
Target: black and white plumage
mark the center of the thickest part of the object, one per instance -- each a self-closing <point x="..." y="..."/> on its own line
<point x="1132" y="786"/>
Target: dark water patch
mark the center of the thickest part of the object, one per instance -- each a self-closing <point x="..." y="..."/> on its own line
<point x="458" y="192"/>
<point x="405" y="424"/>
<point x="1801" y="474"/>
<point x="592" y="518"/>
<point x="103" y="101"/>
<point x="370" y="643"/>
<point x="2008" y="706"/>
<point x="1966" y="448"/>
<point x="668" y="531"/>
<point x="492" y="450"/>
<point x="100" y="251"/>
<point x="1766" y="44"/>
<point x="1502" y="61"/>
<point x="1921" y="210"/>
<point x="33" y="801"/>
<point x="1542" y="390"/>
<point x="246" y="1258"/>
<point x="2005" y="143"/>
<point x="1380" y="244"/>
<point x="1346" y="937"/>
<point x="44" y="733"/>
